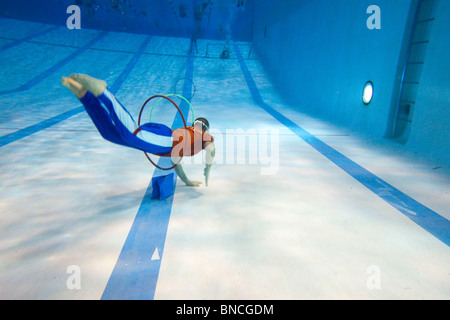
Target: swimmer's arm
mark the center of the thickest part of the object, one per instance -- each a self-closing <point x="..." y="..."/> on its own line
<point x="182" y="175"/>
<point x="209" y="158"/>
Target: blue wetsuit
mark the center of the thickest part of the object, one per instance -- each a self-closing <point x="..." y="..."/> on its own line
<point x="116" y="125"/>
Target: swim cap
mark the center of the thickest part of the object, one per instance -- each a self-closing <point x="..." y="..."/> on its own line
<point x="202" y="123"/>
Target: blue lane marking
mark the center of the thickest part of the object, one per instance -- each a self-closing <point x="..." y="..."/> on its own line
<point x="135" y="274"/>
<point x="17" y="42"/>
<point x="426" y="218"/>
<point x="28" y="131"/>
<point x="184" y="107"/>
<point x="20" y="134"/>
<point x="124" y="75"/>
<point x="30" y="84"/>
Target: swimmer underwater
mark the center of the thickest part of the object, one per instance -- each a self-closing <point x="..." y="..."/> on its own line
<point x="116" y="125"/>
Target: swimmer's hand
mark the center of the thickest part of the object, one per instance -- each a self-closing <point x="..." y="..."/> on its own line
<point x="194" y="184"/>
<point x="180" y="172"/>
<point x="206" y="173"/>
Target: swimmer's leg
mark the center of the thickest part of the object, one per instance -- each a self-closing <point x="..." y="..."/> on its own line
<point x="152" y="138"/>
<point x="113" y="121"/>
<point x="79" y="84"/>
<point x="95" y="86"/>
<point x="117" y="111"/>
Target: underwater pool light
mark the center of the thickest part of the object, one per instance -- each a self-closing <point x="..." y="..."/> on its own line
<point x="368" y="93"/>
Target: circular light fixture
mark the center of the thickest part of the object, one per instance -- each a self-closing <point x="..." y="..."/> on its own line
<point x="368" y="93"/>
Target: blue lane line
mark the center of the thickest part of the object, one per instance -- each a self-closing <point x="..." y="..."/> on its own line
<point x="28" y="131"/>
<point x="30" y="84"/>
<point x="124" y="75"/>
<point x="184" y="107"/>
<point x="23" y="133"/>
<point x="426" y="218"/>
<point x="19" y="41"/>
<point x="135" y="274"/>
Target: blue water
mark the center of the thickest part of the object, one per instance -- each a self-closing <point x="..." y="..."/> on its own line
<point x="212" y="19"/>
<point x="308" y="220"/>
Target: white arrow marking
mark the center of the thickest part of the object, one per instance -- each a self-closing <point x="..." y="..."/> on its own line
<point x="155" y="255"/>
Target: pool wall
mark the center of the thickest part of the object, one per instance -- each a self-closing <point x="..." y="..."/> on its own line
<point x="320" y="54"/>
